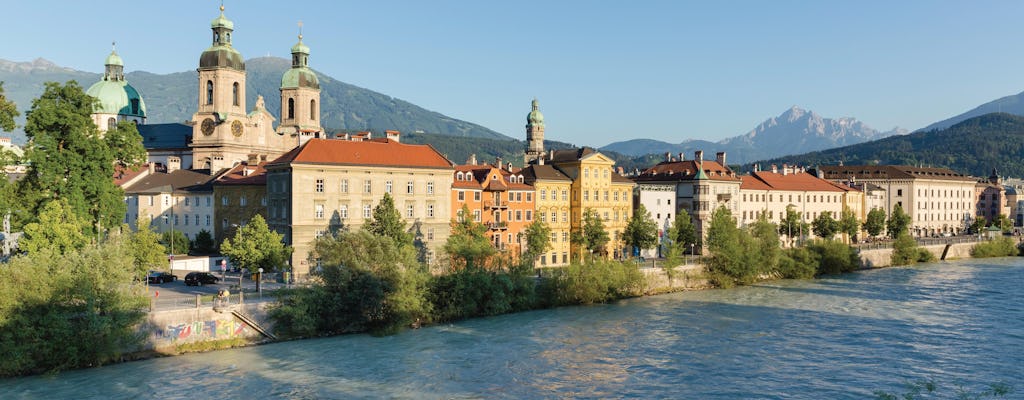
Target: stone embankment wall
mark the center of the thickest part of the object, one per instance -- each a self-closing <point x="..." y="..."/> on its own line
<point x="684" y="277"/>
<point x="167" y="330"/>
<point x="877" y="258"/>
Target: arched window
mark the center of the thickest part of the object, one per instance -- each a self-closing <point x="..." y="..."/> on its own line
<point x="111" y="123"/>
<point x="209" y="92"/>
<point x="234" y="93"/>
<point x="291" y="108"/>
<point x="312" y="110"/>
<point x="459" y="176"/>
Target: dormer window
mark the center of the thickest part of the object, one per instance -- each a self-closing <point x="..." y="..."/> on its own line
<point x="458" y="176"/>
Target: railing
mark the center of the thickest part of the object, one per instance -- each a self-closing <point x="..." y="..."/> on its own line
<point x="887" y="243"/>
<point x="497" y="225"/>
<point x="498" y="204"/>
<point x="206" y="300"/>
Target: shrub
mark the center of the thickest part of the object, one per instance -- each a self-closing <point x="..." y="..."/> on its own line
<point x="905" y="251"/>
<point x="834" y="257"/>
<point x="473" y="292"/>
<point x="798" y="263"/>
<point x="595" y="282"/>
<point x="1000" y="247"/>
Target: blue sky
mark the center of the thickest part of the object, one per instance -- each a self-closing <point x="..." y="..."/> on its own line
<point x="603" y="70"/>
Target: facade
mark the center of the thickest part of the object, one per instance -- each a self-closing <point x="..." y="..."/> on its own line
<point x="938" y="200"/>
<point x="700" y="187"/>
<point x="498" y="197"/>
<point x="551" y="188"/>
<point x="238" y="195"/>
<point x="116" y="99"/>
<point x="171" y="199"/>
<point x="330" y="184"/>
<point x="659" y="200"/>
<point x="771" y="193"/>
<point x="992" y="200"/>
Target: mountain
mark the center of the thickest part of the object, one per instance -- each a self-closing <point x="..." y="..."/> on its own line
<point x="173" y="97"/>
<point x="974" y="146"/>
<point x="1013" y="104"/>
<point x="794" y="131"/>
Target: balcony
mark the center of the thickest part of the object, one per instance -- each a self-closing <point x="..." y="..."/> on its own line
<point x="497" y="226"/>
<point x="497" y="204"/>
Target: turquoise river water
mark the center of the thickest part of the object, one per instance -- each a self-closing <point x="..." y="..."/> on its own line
<point x="958" y="323"/>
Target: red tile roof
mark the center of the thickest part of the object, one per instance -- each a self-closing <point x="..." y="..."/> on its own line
<point x="674" y="171"/>
<point x="369" y="153"/>
<point x="481" y="178"/>
<point x="802" y="181"/>
<point x="123" y="175"/>
<point x="257" y="175"/>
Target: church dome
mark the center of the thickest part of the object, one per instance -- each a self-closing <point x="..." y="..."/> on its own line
<point x="221" y="56"/>
<point x="114" y="59"/>
<point x="535" y="117"/>
<point x="300" y="77"/>
<point x="117" y="97"/>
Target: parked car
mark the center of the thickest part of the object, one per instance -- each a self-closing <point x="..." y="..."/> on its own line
<point x="200" y="278"/>
<point x="160" y="277"/>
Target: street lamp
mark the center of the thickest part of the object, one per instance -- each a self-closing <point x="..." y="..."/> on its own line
<point x="168" y="221"/>
<point x="691" y="253"/>
<point x="259" y="282"/>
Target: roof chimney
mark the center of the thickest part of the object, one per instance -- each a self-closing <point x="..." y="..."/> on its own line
<point x="393" y="135"/>
<point x="472" y="159"/>
<point x="497" y="162"/>
<point x="173" y="164"/>
<point x="698" y="155"/>
<point x="668" y="157"/>
<point x="775" y="169"/>
<point x="152" y="168"/>
<point x="785" y="169"/>
<point x="720" y="157"/>
<point x="622" y="171"/>
<point x="509" y="164"/>
<point x="681" y="157"/>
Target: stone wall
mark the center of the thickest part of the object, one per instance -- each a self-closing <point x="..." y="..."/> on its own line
<point x="877" y="258"/>
<point x="685" y="277"/>
<point x="172" y="328"/>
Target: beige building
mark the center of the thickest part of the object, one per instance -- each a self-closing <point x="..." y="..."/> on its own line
<point x="325" y="185"/>
<point x="171" y="199"/>
<point x="238" y="195"/>
<point x="771" y="193"/>
<point x="551" y="188"/>
<point x="938" y="200"/>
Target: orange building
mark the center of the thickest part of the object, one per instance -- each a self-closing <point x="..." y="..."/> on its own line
<point x="497" y="197"/>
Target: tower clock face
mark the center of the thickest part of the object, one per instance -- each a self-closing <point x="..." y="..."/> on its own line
<point x="236" y="128"/>
<point x="207" y="126"/>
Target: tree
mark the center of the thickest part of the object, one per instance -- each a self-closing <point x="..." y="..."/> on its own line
<point x="641" y="231"/>
<point x="824" y="226"/>
<point x="683" y="232"/>
<point x="468" y="242"/>
<point x="791" y="225"/>
<point x="388" y="222"/>
<point x="727" y="249"/>
<point x="1004" y="223"/>
<point x="255" y="246"/>
<point x="978" y="225"/>
<point x="538" y="239"/>
<point x="203" y="243"/>
<point x="898" y="222"/>
<point x="175" y="242"/>
<point x="848" y="223"/>
<point x="69" y="160"/>
<point x="875" y="223"/>
<point x="57" y="229"/>
<point x="8" y="111"/>
<point x="594" y="238"/>
<point x="146" y="250"/>
<point x="125" y="144"/>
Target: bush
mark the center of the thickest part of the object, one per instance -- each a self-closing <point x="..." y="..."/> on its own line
<point x="474" y="292"/>
<point x="798" y="263"/>
<point x="595" y="282"/>
<point x="1000" y="247"/>
<point x="905" y="251"/>
<point x="834" y="257"/>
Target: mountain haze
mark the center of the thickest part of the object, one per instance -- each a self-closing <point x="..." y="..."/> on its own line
<point x="1013" y="104"/>
<point x="794" y="131"/>
<point x="173" y="98"/>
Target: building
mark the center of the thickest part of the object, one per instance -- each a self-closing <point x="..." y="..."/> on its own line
<point x="117" y="100"/>
<point x="170" y="199"/>
<point x="700" y="186"/>
<point x="938" y="200"/>
<point x="660" y="200"/>
<point x="992" y="199"/>
<point x="331" y="184"/>
<point x="552" y="206"/>
<point x="770" y="194"/>
<point x="498" y="197"/>
<point x="239" y="195"/>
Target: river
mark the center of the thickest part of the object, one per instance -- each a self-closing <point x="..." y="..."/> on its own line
<point x="959" y="323"/>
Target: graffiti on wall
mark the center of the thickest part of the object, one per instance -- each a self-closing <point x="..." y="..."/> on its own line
<point x="204" y="330"/>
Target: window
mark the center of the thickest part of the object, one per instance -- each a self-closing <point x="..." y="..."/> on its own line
<point x="586" y="195"/>
<point x="366" y="186"/>
<point x="387" y="186"/>
<point x="344" y="185"/>
<point x="605" y="195"/>
<point x="519" y="215"/>
<point x="408" y="187"/>
<point x="186" y="220"/>
<point x="430" y="187"/>
<point x="224" y="223"/>
<point x="519" y="196"/>
<point x="606" y="216"/>
<point x="223" y="200"/>
<point x="462" y="195"/>
<point x="430" y="234"/>
<point x="291" y="109"/>
<point x="343" y="210"/>
<point x="554" y="237"/>
<point x="430" y="211"/>
<point x="586" y="174"/>
<point x="263" y="201"/>
<point x="409" y="210"/>
<point x="234" y="94"/>
<point x="207" y="220"/>
<point x="543" y="194"/>
<point x="319" y="185"/>
<point x="617" y="215"/>
<point x="208" y="200"/>
<point x="111" y="123"/>
<point x="209" y="92"/>
<point x="899" y="192"/>
<point x="175" y="220"/>
<point x="476" y="215"/>
<point x="367" y="212"/>
<point x="186" y="201"/>
<point x="554" y="217"/>
<point x="458" y="176"/>
<point x="318" y="211"/>
<point x="242" y="201"/>
<point x="529" y="215"/>
<point x="529" y="197"/>
<point x="565" y="239"/>
<point x="151" y="200"/>
<point x="543" y="259"/>
<point x="565" y="216"/>
<point x="476" y="196"/>
<point x="565" y="195"/>
<point x="312" y="110"/>
<point x="167" y="200"/>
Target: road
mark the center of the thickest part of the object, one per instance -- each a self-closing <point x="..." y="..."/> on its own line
<point x="176" y="295"/>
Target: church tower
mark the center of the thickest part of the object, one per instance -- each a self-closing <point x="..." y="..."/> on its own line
<point x="300" y="97"/>
<point x="220" y="121"/>
<point x="534" y="135"/>
<point x="117" y="100"/>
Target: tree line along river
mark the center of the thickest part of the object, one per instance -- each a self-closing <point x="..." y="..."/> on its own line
<point x="960" y="324"/>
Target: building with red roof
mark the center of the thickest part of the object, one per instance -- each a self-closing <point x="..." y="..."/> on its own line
<point x="498" y="196"/>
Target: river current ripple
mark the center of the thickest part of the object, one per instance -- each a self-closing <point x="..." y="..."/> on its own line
<point x="959" y="323"/>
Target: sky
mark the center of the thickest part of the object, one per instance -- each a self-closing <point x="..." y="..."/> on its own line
<point x="603" y="71"/>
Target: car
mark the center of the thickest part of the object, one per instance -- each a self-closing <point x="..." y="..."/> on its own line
<point x="160" y="277"/>
<point x="200" y="278"/>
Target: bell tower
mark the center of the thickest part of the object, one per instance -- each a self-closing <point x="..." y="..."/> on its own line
<point x="534" y="135"/>
<point x="300" y="97"/>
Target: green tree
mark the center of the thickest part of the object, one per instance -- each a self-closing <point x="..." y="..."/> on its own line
<point x="58" y="229"/>
<point x="824" y="226"/>
<point x="468" y="243"/>
<point x="388" y="222"/>
<point x="125" y="144"/>
<point x="538" y="239"/>
<point x="641" y="231"/>
<point x="875" y="222"/>
<point x="906" y="252"/>
<point x="70" y="161"/>
<point x="727" y="249"/>
<point x="203" y="243"/>
<point x="175" y="242"/>
<point x="766" y="250"/>
<point x="792" y="225"/>
<point x="255" y="246"/>
<point x="848" y="223"/>
<point x="1004" y="223"/>
<point x="8" y="111"/>
<point x="682" y="231"/>
<point x="595" y="237"/>
<point x="146" y="250"/>
<point x="978" y="226"/>
<point x="898" y="223"/>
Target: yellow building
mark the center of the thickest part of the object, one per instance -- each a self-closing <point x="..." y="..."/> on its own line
<point x="551" y="191"/>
